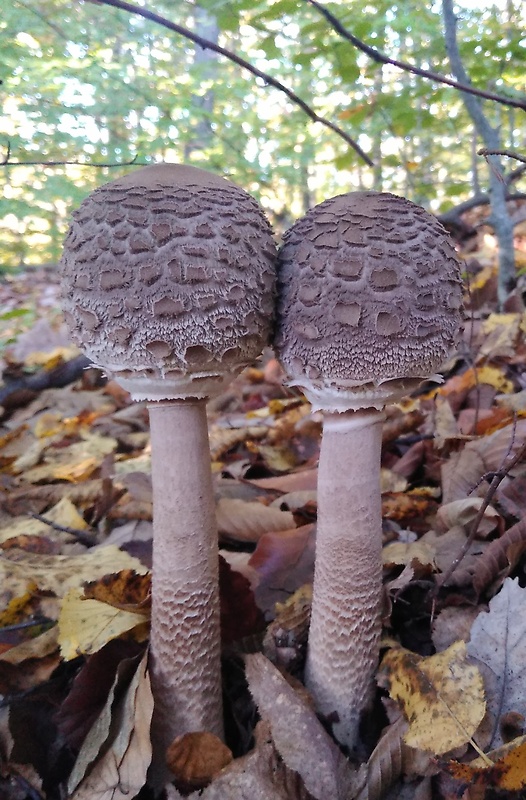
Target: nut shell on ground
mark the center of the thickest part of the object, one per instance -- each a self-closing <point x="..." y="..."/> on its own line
<point x="370" y="300"/>
<point x="168" y="280"/>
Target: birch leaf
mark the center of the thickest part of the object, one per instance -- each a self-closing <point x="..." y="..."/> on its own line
<point x="442" y="696"/>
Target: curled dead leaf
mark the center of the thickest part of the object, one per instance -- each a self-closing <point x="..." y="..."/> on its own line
<point x="196" y="758"/>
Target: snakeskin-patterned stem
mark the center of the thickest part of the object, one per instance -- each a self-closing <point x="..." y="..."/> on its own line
<point x="345" y="627"/>
<point x="185" y="635"/>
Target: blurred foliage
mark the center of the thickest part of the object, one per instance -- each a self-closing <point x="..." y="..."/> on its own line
<point x="92" y="84"/>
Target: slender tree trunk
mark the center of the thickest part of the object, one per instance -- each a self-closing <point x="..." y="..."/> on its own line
<point x="499" y="217"/>
<point x="206" y="26"/>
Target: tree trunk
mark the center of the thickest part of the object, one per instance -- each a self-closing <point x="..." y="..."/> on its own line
<point x="499" y="217"/>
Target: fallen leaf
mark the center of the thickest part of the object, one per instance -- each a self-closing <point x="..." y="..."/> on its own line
<point x="57" y="573"/>
<point x="419" y="555"/>
<point x="246" y="522"/>
<point x="284" y="561"/>
<point x="85" y="626"/>
<point x="120" y="772"/>
<point x="310" y="751"/>
<point x="507" y="774"/>
<point x="442" y="696"/>
<point x="125" y="590"/>
<point x="196" y="758"/>
<point x="499" y="558"/>
<point x="63" y="513"/>
<point x="498" y="646"/>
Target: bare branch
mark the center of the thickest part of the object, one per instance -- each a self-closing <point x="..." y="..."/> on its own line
<point x="485" y="151"/>
<point x="268" y="79"/>
<point x="381" y="58"/>
<point x="7" y="162"/>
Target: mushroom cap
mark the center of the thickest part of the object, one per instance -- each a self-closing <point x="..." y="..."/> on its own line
<point x="370" y="300"/>
<point x="168" y="279"/>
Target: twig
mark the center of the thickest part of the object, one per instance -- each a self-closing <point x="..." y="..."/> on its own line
<point x="496" y="480"/>
<point x="7" y="162"/>
<point x="381" y="58"/>
<point x="83" y="537"/>
<point x="485" y="151"/>
<point x="206" y="44"/>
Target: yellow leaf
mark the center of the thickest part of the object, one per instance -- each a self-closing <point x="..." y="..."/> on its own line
<point x="442" y="696"/>
<point x="402" y="553"/>
<point x="76" y="473"/>
<point x="59" y="574"/>
<point x="16" y="608"/>
<point x="85" y="626"/>
<point x="494" y="377"/>
<point x="507" y="773"/>
<point x="63" y="513"/>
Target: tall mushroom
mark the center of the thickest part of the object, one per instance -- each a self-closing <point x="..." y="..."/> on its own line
<point x="168" y="284"/>
<point x="369" y="304"/>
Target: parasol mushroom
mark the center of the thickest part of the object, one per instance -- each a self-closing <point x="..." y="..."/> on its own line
<point x="369" y="304"/>
<point x="168" y="284"/>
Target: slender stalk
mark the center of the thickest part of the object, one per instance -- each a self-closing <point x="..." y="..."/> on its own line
<point x="345" y="627"/>
<point x="185" y="635"/>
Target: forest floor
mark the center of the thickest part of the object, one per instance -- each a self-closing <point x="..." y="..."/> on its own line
<point x="75" y="555"/>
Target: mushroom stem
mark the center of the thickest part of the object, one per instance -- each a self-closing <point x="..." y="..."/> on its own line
<point x="185" y="634"/>
<point x="345" y="626"/>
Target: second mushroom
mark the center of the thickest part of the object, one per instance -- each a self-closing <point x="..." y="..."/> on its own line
<point x="370" y="304"/>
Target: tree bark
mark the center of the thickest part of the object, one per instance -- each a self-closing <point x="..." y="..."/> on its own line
<point x="499" y="218"/>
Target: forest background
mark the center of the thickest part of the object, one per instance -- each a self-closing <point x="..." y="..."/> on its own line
<point x="90" y="84"/>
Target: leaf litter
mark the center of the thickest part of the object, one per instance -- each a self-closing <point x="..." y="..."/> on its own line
<point x="449" y="716"/>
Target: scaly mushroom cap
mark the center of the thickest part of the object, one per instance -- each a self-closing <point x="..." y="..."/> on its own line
<point x="168" y="280"/>
<point x="370" y="300"/>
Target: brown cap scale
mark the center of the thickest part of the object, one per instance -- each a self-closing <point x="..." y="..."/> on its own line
<point x="168" y="284"/>
<point x="370" y="303"/>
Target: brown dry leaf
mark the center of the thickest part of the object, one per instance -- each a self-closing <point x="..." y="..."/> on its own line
<point x="452" y="624"/>
<point x="39" y="497"/>
<point x="500" y="557"/>
<point x="306" y="479"/>
<point x="246" y="522"/>
<point x="463" y="512"/>
<point x="85" y="626"/>
<point x="283" y="561"/>
<point x="507" y="774"/>
<point x="260" y="775"/>
<point x="196" y="759"/>
<point x="442" y="696"/>
<point x="125" y="590"/>
<point x="447" y="547"/>
<point x="298" y="736"/>
<point x="462" y="471"/>
<point x="408" y="508"/>
<point x="120" y="771"/>
<point x="498" y="647"/>
<point x="390" y="759"/>
<point x="36" y="648"/>
<point x="445" y="427"/>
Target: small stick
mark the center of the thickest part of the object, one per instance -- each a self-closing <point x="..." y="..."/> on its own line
<point x="83" y="537"/>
